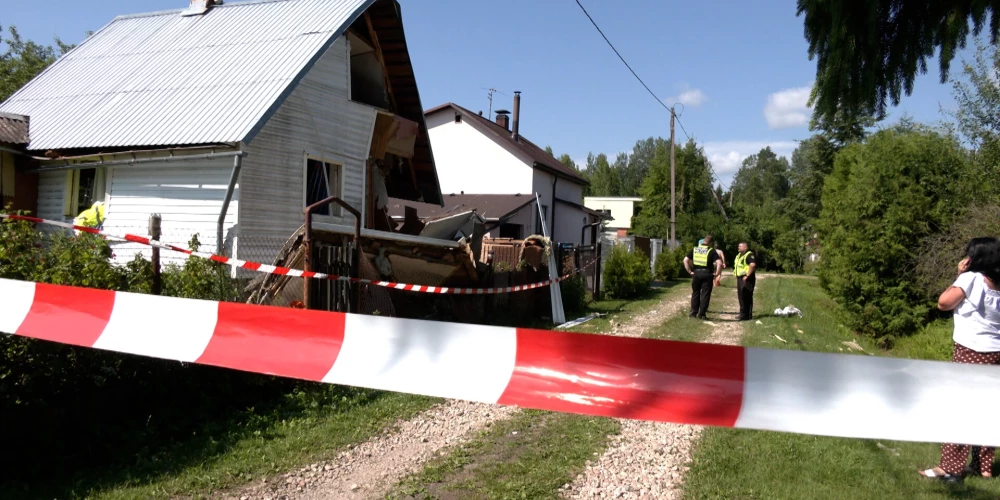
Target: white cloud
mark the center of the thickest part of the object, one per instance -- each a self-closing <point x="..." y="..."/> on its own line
<point x="726" y="157"/>
<point x="788" y="108"/>
<point x="689" y="97"/>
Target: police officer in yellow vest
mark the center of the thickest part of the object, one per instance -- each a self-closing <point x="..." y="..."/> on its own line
<point x="703" y="264"/>
<point x="745" y="269"/>
<point x="91" y="217"/>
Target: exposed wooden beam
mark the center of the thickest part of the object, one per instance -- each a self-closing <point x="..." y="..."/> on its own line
<point x="381" y="60"/>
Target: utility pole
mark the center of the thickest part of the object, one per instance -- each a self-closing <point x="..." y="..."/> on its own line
<point x="673" y="193"/>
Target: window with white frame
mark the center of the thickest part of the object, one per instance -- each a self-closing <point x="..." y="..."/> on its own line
<point x="323" y="179"/>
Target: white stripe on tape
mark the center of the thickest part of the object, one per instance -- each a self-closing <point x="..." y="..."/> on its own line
<point x="870" y="397"/>
<point x="450" y="360"/>
<point x="161" y="327"/>
<point x="16" y="298"/>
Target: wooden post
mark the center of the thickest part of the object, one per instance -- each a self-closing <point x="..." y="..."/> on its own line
<point x="154" y="233"/>
<point x="673" y="193"/>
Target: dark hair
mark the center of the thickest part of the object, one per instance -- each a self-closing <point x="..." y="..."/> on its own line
<point x="708" y="239"/>
<point x="984" y="257"/>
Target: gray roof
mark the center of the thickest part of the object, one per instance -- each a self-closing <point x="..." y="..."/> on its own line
<point x="160" y="79"/>
<point x="13" y="129"/>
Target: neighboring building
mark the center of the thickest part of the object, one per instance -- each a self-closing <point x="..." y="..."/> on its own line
<point x="621" y="209"/>
<point x="475" y="155"/>
<point x="18" y="189"/>
<point x="228" y="120"/>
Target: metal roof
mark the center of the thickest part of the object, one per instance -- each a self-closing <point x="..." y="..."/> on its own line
<point x="161" y="79"/>
<point x="13" y="129"/>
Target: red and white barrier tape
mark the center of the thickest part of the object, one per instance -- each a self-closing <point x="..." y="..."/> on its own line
<point x="666" y="381"/>
<point x="284" y="271"/>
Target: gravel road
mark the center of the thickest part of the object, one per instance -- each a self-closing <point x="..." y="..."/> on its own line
<point x="648" y="459"/>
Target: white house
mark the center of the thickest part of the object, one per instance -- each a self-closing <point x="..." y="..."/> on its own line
<point x="476" y="155"/>
<point x="621" y="209"/>
<point x="228" y="120"/>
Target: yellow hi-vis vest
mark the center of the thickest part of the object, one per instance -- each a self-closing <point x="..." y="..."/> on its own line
<point x="91" y="217"/>
<point x="741" y="268"/>
<point x="701" y="255"/>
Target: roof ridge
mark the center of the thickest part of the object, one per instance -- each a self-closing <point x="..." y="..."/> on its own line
<point x="239" y="3"/>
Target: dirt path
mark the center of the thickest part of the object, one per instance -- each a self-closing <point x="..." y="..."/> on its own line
<point x="370" y="469"/>
<point x="647" y="459"/>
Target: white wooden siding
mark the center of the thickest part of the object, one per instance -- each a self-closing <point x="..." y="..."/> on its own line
<point x="319" y="120"/>
<point x="188" y="195"/>
<point x="52" y="195"/>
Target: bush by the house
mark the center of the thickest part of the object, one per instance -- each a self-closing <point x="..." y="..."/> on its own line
<point x="667" y="266"/>
<point x="76" y="402"/>
<point x="574" y="294"/>
<point x="626" y="275"/>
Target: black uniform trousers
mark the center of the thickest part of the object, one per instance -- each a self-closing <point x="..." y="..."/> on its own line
<point x="744" y="291"/>
<point x="701" y="291"/>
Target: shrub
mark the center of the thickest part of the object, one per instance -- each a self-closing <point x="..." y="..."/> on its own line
<point x="626" y="275"/>
<point x="667" y="266"/>
<point x="882" y="199"/>
<point x="574" y="294"/>
<point x="939" y="253"/>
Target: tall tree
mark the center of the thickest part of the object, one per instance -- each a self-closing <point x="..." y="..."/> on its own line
<point x="603" y="180"/>
<point x="763" y="177"/>
<point x="869" y="52"/>
<point x="566" y="160"/>
<point x="23" y="60"/>
<point x="694" y="185"/>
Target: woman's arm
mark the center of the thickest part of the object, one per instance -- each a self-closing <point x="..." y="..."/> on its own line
<point x="951" y="298"/>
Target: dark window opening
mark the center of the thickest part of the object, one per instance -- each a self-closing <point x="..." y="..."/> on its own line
<point x="368" y="80"/>
<point x="458" y="118"/>
<point x="512" y="231"/>
<point x="322" y="182"/>
<point x="87" y="189"/>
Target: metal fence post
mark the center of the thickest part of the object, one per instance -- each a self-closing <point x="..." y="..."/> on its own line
<point x="154" y="233"/>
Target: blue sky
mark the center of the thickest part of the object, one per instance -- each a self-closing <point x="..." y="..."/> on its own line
<point x="740" y="67"/>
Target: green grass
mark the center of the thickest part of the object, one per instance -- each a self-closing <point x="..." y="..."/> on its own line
<point x="621" y="310"/>
<point x="529" y="456"/>
<point x="730" y="463"/>
<point x="255" y="446"/>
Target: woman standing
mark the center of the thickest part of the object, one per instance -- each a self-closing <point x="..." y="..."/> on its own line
<point x="975" y="298"/>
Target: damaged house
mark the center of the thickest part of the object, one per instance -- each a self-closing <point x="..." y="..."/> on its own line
<point x="229" y="120"/>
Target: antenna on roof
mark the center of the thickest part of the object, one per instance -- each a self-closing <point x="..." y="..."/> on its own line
<point x="490" y="92"/>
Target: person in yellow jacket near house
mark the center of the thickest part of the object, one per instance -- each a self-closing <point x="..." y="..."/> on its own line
<point x="745" y="269"/>
<point x="91" y="217"/>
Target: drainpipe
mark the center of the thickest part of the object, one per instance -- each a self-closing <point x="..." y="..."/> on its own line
<point x="583" y="232"/>
<point x="555" y="179"/>
<point x="233" y="178"/>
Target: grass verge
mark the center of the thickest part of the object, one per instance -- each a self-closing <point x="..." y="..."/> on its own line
<point x="621" y="310"/>
<point x="529" y="456"/>
<point x="307" y="427"/>
<point x="731" y="463"/>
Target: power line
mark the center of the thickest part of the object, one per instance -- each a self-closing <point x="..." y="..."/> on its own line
<point x="622" y="58"/>
<point x="636" y="75"/>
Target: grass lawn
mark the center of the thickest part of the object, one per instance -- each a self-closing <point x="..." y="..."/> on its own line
<point x="253" y="446"/>
<point x="731" y="463"/>
<point x="621" y="310"/>
<point x="529" y="456"/>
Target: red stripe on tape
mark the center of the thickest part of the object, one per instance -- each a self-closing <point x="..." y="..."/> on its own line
<point x="69" y="315"/>
<point x="627" y="377"/>
<point x="298" y="344"/>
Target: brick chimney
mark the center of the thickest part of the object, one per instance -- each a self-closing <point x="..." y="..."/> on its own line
<point x="503" y="118"/>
